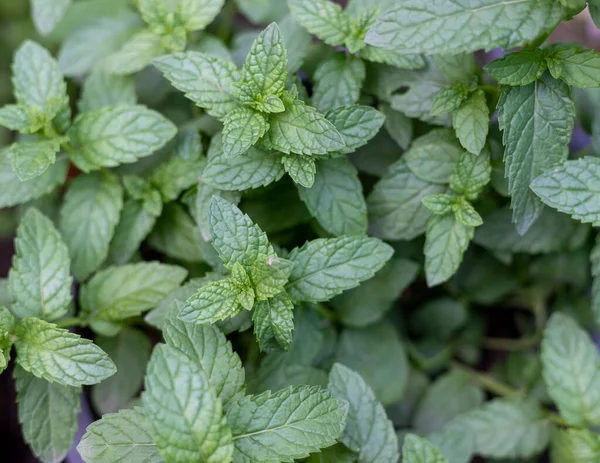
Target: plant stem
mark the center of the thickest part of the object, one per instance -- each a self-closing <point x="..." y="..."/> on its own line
<point x="490" y="89"/>
<point x="70" y="321"/>
<point x="488" y="382"/>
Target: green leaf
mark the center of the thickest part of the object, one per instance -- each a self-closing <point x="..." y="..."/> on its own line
<point x="137" y="53"/>
<point x="242" y="128"/>
<point x="322" y="18"/>
<point x="207" y="346"/>
<point x="134" y="226"/>
<point x="187" y="421"/>
<point x="396" y="211"/>
<point x="37" y="81"/>
<point x="377" y="354"/>
<point x="118" y="293"/>
<point x="414" y="27"/>
<point x="336" y="199"/>
<point x="197" y="14"/>
<point x="471" y="122"/>
<point x="454" y="444"/>
<point x="88" y="217"/>
<point x="446" y="241"/>
<point x="215" y="301"/>
<point x="574" y="446"/>
<point x="130" y="350"/>
<point x="204" y="79"/>
<point x="368" y="302"/>
<point x="47" y="13"/>
<point x="572" y="188"/>
<point x="440" y="204"/>
<point x="40" y="281"/>
<point x="466" y="214"/>
<point x="56" y="355"/>
<point x="301" y="129"/>
<point x="257" y="167"/>
<point x="173" y="177"/>
<point x="595" y="270"/>
<point x="120" y="436"/>
<point x="14" y="191"/>
<point x="398" y="126"/>
<point x="368" y="429"/>
<point x="48" y="415"/>
<point x="357" y="124"/>
<point x="274" y="322"/>
<point x="31" y="159"/>
<point x="302" y="169"/>
<point x="506" y="428"/>
<point x="269" y="274"/>
<point x="517" y="69"/>
<point x="399" y="60"/>
<point x="471" y="173"/>
<point x="571" y="368"/>
<point x="577" y="67"/>
<point x="102" y="89"/>
<point x="114" y="135"/>
<point x="338" y="80"/>
<point x="324" y="268"/>
<point x="432" y="157"/>
<point x="537" y="121"/>
<point x="448" y="99"/>
<point x="286" y="425"/>
<point x="418" y="450"/>
<point x="25" y="119"/>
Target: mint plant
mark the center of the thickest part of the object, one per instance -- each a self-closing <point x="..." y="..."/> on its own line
<point x="301" y="231"/>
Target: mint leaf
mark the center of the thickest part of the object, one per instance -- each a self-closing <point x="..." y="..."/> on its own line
<point x="418" y="450"/>
<point x="135" y="223"/>
<point x="25" y="119"/>
<point x="446" y="241"/>
<point x="197" y="14"/>
<point x="40" y="282"/>
<point x="301" y="129"/>
<point x="466" y="214"/>
<point x="204" y="79"/>
<point x="207" y="346"/>
<point x="574" y="445"/>
<point x="357" y="124"/>
<point x="137" y="53"/>
<point x="519" y="68"/>
<point x="395" y="208"/>
<point x="399" y="60"/>
<point x="572" y="188"/>
<point x="48" y="413"/>
<point x="529" y="149"/>
<point x="322" y="18"/>
<point x="448" y="99"/>
<point x="577" y="67"/>
<point x="505" y="428"/>
<point x="118" y="436"/>
<point x="595" y="270"/>
<point x="215" y="301"/>
<point x="324" y="268"/>
<point x="115" y="135"/>
<point x="338" y="81"/>
<point x="56" y="355"/>
<point x="32" y="159"/>
<point x="47" y="13"/>
<point x="440" y="204"/>
<point x="335" y="198"/>
<point x="268" y="275"/>
<point x="471" y="173"/>
<point x="242" y="128"/>
<point x="274" y="322"/>
<point x="368" y="429"/>
<point x="130" y="351"/>
<point x="471" y="122"/>
<point x="432" y="157"/>
<point x="571" y="384"/>
<point x="286" y="425"/>
<point x="187" y="421"/>
<point x="102" y="89"/>
<point x="176" y="175"/>
<point x="398" y="126"/>
<point x="414" y="27"/>
<point x="88" y="217"/>
<point x="302" y="169"/>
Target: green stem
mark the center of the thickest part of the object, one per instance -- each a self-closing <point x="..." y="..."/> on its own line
<point x="557" y="419"/>
<point x="490" y="89"/>
<point x="70" y="321"/>
<point x="488" y="382"/>
<point x="538" y="41"/>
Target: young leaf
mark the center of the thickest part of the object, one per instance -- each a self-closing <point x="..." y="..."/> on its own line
<point x="573" y="188"/>
<point x="197" y="14"/>
<point x="274" y="322"/>
<point x="448" y="99"/>
<point x="114" y="135"/>
<point x="574" y="446"/>
<point x="471" y="122"/>
<point x="571" y="368"/>
<point x="432" y="157"/>
<point x="25" y="119"/>
<point x="414" y="27"/>
<point x="269" y="275"/>
<point x="48" y="413"/>
<point x="102" y="89"/>
<point x="88" y="217"/>
<point x="471" y="173"/>
<point x="440" y="204"/>
<point x="301" y="129"/>
<point x="398" y="126"/>
<point x="446" y="241"/>
<point x="519" y="68"/>
<point x="323" y="18"/>
<point x="286" y="425"/>
<point x="216" y="301"/>
<point x="324" y="268"/>
<point x="58" y="356"/>
<point x="207" y="346"/>
<point x="242" y="128"/>
<point x="418" y="450"/>
<point x="302" y="169"/>
<point x="537" y="121"/>
<point x="577" y="67"/>
<point x="187" y="416"/>
<point x="204" y="79"/>
<point x="336" y="199"/>
<point x="137" y="53"/>
<point x="40" y="282"/>
<point x="466" y="214"/>
<point x="120" y="436"/>
<point x="357" y="124"/>
<point x="47" y="13"/>
<point x="31" y="159"/>
<point x="338" y="81"/>
<point x="134" y="226"/>
<point x="368" y="429"/>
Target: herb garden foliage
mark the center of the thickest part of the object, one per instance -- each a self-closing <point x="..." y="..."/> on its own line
<point x="254" y="202"/>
